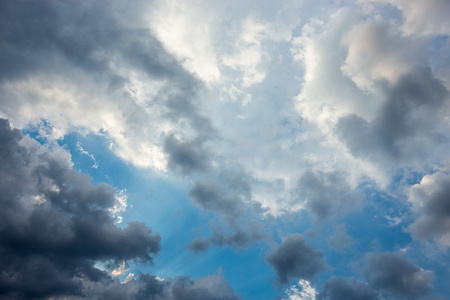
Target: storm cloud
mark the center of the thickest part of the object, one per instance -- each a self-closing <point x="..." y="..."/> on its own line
<point x="295" y="259"/>
<point x="55" y="224"/>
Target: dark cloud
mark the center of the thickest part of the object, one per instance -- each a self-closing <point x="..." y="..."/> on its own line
<point x="338" y="288"/>
<point x="148" y="287"/>
<point x="237" y="237"/>
<point x="185" y="157"/>
<point x="33" y="33"/>
<point x="403" y="127"/>
<point x="227" y="200"/>
<point x="55" y="225"/>
<point x="398" y="276"/>
<point x="327" y="194"/>
<point x="431" y="200"/>
<point x="215" y="198"/>
<point x="295" y="259"/>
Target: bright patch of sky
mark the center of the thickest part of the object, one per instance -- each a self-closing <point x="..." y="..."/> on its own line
<point x="225" y="149"/>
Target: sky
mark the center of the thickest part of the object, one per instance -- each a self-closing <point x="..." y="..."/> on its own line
<point x="253" y="150"/>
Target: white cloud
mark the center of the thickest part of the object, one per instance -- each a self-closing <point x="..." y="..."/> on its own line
<point x="303" y="291"/>
<point x="122" y="269"/>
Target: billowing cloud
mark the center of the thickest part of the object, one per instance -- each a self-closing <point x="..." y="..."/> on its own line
<point x="431" y="201"/>
<point x="397" y="275"/>
<point x="55" y="224"/>
<point x="295" y="259"/>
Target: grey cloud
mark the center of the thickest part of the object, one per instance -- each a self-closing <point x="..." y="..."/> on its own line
<point x="431" y="200"/>
<point x="89" y="39"/>
<point x="327" y="194"/>
<point x="215" y="198"/>
<point x="295" y="259"/>
<point x="227" y="200"/>
<point x="396" y="275"/>
<point x="148" y="287"/>
<point x="236" y="237"/>
<point x="403" y="127"/>
<point x="185" y="157"/>
<point x="338" y="288"/>
<point x="340" y="239"/>
<point x="54" y="224"/>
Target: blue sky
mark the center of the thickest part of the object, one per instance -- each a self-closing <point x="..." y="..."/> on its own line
<point x="225" y="150"/>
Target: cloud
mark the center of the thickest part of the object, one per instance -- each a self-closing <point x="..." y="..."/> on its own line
<point x="295" y="259"/>
<point x="431" y="201"/>
<point x="106" y="74"/>
<point x="227" y="201"/>
<point x="327" y="194"/>
<point x="55" y="225"/>
<point x="185" y="157"/>
<point x="238" y="236"/>
<point x="337" y="288"/>
<point x="397" y="275"/>
<point x="302" y="291"/>
<point x="423" y="18"/>
<point x="340" y="239"/>
<point x="405" y="128"/>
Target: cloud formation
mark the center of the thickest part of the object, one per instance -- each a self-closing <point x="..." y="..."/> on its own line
<point x="431" y="201"/>
<point x="327" y="194"/>
<point x="55" y="224"/>
<point x="337" y="288"/>
<point x="397" y="275"/>
<point x="295" y="259"/>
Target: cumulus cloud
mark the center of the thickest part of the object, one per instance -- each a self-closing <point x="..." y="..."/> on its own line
<point x="295" y="259"/>
<point x="431" y="201"/>
<point x="397" y="275"/>
<point x="55" y="224"/>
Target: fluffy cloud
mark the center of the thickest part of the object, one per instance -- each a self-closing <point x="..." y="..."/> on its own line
<point x="55" y="225"/>
<point x="295" y="259"/>
<point x="431" y="201"/>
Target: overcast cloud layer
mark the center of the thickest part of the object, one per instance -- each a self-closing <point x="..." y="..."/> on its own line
<point x="297" y="150"/>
